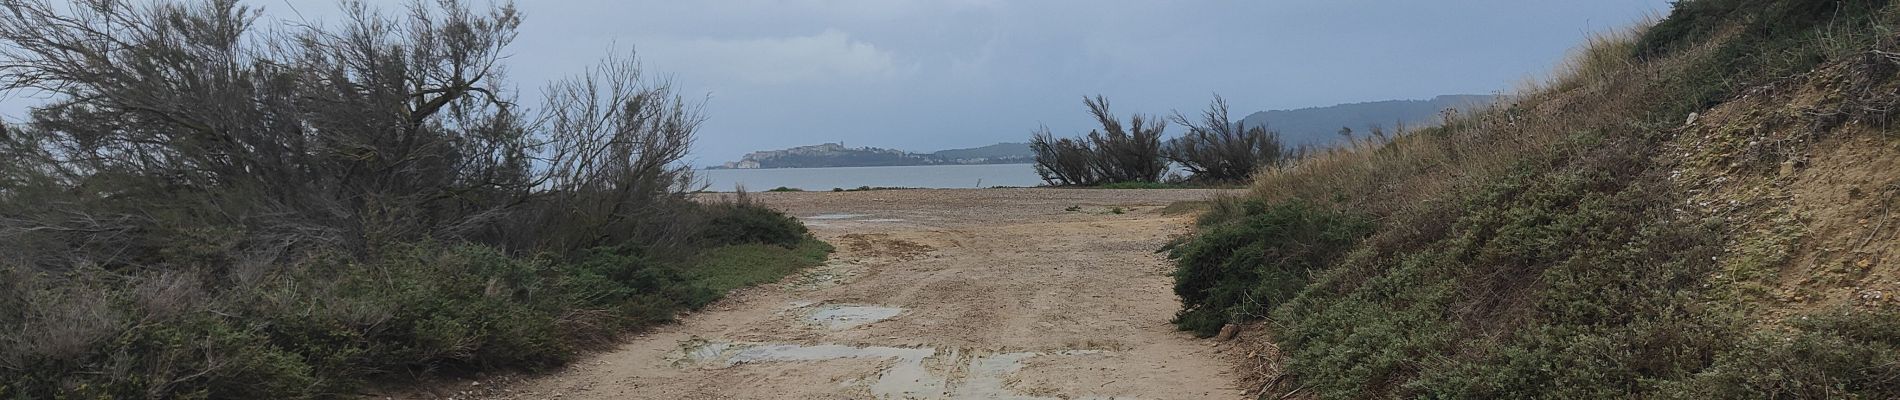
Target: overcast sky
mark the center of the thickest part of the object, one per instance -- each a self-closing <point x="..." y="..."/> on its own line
<point x="928" y="75"/>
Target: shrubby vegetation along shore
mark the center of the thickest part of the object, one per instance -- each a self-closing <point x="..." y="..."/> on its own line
<point x="206" y="208"/>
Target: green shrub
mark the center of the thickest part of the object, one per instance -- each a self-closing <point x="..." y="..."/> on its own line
<point x="785" y="189"/>
<point x="732" y="224"/>
<point x="1241" y="269"/>
<point x="1842" y="354"/>
<point x="322" y="327"/>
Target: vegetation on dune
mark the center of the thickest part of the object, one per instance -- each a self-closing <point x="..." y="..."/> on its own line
<point x="209" y="211"/>
<point x="1583" y="241"/>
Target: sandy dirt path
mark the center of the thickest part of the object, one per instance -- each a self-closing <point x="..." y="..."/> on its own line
<point x="937" y="294"/>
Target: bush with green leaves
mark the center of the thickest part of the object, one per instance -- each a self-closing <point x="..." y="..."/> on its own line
<point x="730" y="224"/>
<point x="1241" y="269"/>
<point x="1836" y="354"/>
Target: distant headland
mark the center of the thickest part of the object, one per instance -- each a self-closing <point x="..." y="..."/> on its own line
<point x="837" y="155"/>
<point x="1306" y="127"/>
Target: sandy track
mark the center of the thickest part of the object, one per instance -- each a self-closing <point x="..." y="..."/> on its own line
<point x="998" y="293"/>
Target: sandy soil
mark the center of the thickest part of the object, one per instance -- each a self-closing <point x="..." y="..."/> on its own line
<point x="998" y="293"/>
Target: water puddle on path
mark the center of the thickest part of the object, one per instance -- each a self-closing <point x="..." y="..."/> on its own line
<point x="841" y="317"/>
<point x="914" y="372"/>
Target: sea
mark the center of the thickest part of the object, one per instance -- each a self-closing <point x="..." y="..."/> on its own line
<point x="919" y="176"/>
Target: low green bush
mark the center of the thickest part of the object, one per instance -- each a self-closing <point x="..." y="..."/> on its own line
<point x="730" y="267"/>
<point x="1241" y="269"/>
<point x="323" y="327"/>
<point x="732" y="224"/>
<point x="1840" y="354"/>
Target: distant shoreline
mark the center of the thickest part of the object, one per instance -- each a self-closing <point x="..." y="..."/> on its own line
<point x="721" y="168"/>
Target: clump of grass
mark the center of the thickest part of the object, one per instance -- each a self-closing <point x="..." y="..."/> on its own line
<point x="1073" y="208"/>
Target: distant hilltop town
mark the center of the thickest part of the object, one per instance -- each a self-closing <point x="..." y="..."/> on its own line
<point x="837" y="155"/>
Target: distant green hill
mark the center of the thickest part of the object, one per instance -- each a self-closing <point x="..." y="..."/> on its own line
<point x="1319" y="126"/>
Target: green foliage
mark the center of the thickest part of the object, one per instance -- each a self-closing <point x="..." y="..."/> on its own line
<point x="320" y="328"/>
<point x="1841" y="354"/>
<point x="1242" y="269"/>
<point x="1564" y="278"/>
<point x="1693" y="21"/>
<point x="1771" y="39"/>
<point x="730" y="267"/>
<point x="1567" y="270"/>
<point x="785" y="189"/>
<point x="732" y="224"/>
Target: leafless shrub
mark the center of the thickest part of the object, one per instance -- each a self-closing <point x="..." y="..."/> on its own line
<point x="613" y="150"/>
<point x="384" y="130"/>
<point x="1115" y="153"/>
<point x="1064" y="161"/>
<point x="54" y="319"/>
<point x="1218" y="149"/>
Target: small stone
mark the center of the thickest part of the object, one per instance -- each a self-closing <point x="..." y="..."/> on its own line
<point x="1227" y="332"/>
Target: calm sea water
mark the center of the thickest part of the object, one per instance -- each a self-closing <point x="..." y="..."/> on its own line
<point x="923" y="176"/>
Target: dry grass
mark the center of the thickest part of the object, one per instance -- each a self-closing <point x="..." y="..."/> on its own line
<point x="1591" y="91"/>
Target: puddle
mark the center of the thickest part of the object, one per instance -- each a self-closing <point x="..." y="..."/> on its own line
<point x="841" y="317"/>
<point x="835" y="216"/>
<point x="910" y="375"/>
<point x="987" y="374"/>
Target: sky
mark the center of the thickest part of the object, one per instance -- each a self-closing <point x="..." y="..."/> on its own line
<point x="929" y="75"/>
